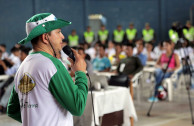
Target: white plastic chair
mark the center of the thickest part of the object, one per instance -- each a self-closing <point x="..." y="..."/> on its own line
<point x="136" y="84"/>
<point x="168" y="82"/>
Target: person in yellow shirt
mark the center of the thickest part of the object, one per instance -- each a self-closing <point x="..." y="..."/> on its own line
<point x="118" y="35"/>
<point x="173" y="34"/>
<point x="131" y="34"/>
<point x="148" y="34"/>
<point x="73" y="39"/>
<point x="89" y="36"/>
<point x="188" y="32"/>
<point x="115" y="59"/>
<point x="103" y="35"/>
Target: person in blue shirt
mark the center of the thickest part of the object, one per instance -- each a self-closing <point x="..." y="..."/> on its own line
<point x="101" y="63"/>
<point x="140" y="55"/>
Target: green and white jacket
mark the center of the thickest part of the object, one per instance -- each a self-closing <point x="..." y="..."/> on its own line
<point x="45" y="94"/>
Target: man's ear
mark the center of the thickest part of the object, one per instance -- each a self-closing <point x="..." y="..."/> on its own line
<point x="44" y="38"/>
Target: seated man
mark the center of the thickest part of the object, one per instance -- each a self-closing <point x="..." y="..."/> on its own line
<point x="140" y="55"/>
<point x="115" y="59"/>
<point x="130" y="65"/>
<point x="101" y="63"/>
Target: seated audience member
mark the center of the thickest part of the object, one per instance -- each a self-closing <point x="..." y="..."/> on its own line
<point x="62" y="56"/>
<point x="124" y="46"/>
<point x="3" y="49"/>
<point x="131" y="64"/>
<point x="87" y="59"/>
<point x="140" y="55"/>
<point x="14" y="58"/>
<point x="162" y="64"/>
<point x="101" y="63"/>
<point x="115" y="59"/>
<point x="149" y="52"/>
<point x="3" y="66"/>
<point x="8" y="85"/>
<point x="24" y="53"/>
<point x="135" y="48"/>
<point x="91" y="51"/>
<point x="111" y="49"/>
<point x="158" y="50"/>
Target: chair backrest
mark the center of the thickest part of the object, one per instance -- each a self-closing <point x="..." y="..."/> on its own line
<point x="102" y="80"/>
<point x="119" y="80"/>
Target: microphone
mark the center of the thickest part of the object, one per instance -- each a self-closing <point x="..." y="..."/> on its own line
<point x="67" y="50"/>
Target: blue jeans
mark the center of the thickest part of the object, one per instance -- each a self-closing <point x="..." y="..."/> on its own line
<point x="159" y="77"/>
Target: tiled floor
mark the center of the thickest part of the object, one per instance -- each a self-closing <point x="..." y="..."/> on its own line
<point x="164" y="113"/>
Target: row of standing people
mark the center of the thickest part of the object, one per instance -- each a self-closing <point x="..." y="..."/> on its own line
<point x="118" y="36"/>
<point x="130" y="35"/>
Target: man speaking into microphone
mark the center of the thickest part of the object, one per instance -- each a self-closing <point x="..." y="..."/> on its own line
<point x="44" y="93"/>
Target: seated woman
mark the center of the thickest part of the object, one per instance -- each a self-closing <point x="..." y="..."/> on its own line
<point x="162" y="64"/>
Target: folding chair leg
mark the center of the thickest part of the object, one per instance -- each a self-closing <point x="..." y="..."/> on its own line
<point x="170" y="90"/>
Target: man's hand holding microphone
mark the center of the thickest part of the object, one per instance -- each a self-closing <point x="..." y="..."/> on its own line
<point x="77" y="62"/>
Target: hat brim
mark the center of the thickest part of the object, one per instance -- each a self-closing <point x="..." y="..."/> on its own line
<point x="44" y="28"/>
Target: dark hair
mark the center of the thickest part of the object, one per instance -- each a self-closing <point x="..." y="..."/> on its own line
<point x="34" y="41"/>
<point x="169" y="42"/>
<point x="161" y="43"/>
<point x="80" y="48"/>
<point x="102" y="25"/>
<point x="129" y="45"/>
<point x="26" y="50"/>
<point x="118" y="44"/>
<point x="119" y="25"/>
<point x="73" y="30"/>
<point x="103" y="46"/>
<point x="88" y="57"/>
<point x="14" y="49"/>
<point x="3" y="45"/>
<point x="150" y="43"/>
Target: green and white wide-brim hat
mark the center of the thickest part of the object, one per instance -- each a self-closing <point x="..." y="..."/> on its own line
<point x="40" y="24"/>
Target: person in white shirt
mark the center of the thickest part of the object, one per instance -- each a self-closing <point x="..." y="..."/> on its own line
<point x="14" y="58"/>
<point x="110" y="50"/>
<point x="44" y="93"/>
<point x="92" y="51"/>
<point x="135" y="49"/>
<point x="3" y="49"/>
<point x="24" y="53"/>
<point x="158" y="50"/>
<point x="149" y="53"/>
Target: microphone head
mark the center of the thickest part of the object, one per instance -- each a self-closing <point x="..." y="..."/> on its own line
<point x="67" y="50"/>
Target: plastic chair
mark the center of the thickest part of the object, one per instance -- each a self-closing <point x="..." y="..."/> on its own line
<point x="168" y="82"/>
